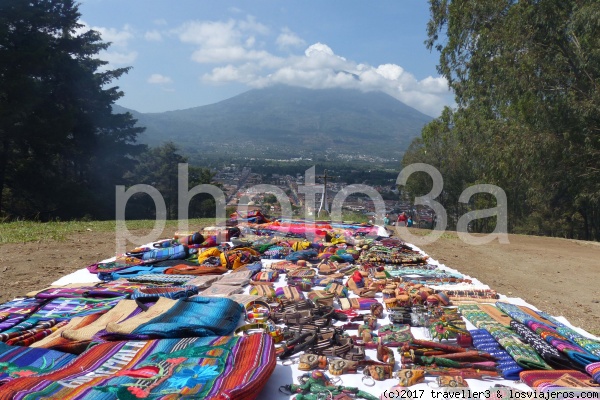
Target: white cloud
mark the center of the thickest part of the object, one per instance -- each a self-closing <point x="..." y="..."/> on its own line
<point x="159" y="79"/>
<point x="117" y="58"/>
<point x="119" y="39"/>
<point x="238" y="49"/>
<point x="250" y="25"/>
<point x="232" y="41"/>
<point x="287" y="39"/>
<point x="153" y="36"/>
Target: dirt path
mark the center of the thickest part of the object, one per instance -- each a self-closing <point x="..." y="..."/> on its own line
<point x="559" y="276"/>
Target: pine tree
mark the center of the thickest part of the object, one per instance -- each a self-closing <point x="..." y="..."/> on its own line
<point x="61" y="147"/>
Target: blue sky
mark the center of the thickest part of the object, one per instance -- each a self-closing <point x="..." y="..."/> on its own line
<point x="188" y="53"/>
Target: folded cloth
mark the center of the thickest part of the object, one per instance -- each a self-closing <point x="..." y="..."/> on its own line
<point x="111" y="266"/>
<point x="131" y="272"/>
<point x="19" y="361"/>
<point x="162" y="278"/>
<point x="183" y="269"/>
<point x="196" y="316"/>
<point x="15" y="311"/>
<point x="118" y="313"/>
<point x="594" y="370"/>
<point x="170" y="292"/>
<point x="120" y="287"/>
<point x="53" y="293"/>
<point x="576" y="353"/>
<point x="201" y="368"/>
<point x="534" y="379"/>
<point x="177" y="252"/>
<point x="67" y="308"/>
<point x="218" y="290"/>
<point x="203" y="281"/>
<point x="549" y="353"/>
<point x="236" y="279"/>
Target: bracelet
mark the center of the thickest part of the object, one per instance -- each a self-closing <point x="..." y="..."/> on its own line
<point x="267" y="328"/>
<point x="257" y="311"/>
<point x="244" y="329"/>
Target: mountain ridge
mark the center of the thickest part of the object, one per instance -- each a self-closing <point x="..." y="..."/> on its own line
<point x="284" y="121"/>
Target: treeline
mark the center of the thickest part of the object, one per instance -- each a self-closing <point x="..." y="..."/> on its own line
<point x="526" y="76"/>
<point x="62" y="150"/>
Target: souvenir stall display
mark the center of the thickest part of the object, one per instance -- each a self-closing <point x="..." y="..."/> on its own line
<point x="267" y="309"/>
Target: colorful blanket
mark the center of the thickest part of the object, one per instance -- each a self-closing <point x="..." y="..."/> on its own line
<point x="227" y="367"/>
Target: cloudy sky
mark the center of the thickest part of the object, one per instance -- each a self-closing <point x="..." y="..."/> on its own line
<point x="187" y="53"/>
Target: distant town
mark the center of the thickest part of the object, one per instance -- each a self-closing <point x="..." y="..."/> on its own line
<point x="237" y="183"/>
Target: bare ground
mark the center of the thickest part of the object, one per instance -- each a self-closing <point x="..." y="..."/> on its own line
<point x="559" y="276"/>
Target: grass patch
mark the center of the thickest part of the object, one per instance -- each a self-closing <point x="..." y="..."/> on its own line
<point x="32" y="231"/>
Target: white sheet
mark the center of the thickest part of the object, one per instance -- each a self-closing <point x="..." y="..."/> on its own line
<point x="286" y="374"/>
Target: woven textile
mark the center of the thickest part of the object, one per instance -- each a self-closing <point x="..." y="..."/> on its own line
<point x="39" y="332"/>
<point x="218" y="290"/>
<point x="199" y="368"/>
<point x="520" y="351"/>
<point x="16" y="311"/>
<point x="203" y="281"/>
<point x="67" y="308"/>
<point x="177" y="252"/>
<point x="548" y="352"/>
<point x="196" y="316"/>
<point x="495" y="314"/>
<point x="131" y="272"/>
<point x="590" y="345"/>
<point x="19" y="361"/>
<point x="54" y="293"/>
<point x="515" y="312"/>
<point x="111" y="266"/>
<point x="244" y="299"/>
<point x="594" y="370"/>
<point x="536" y="378"/>
<point x="263" y="291"/>
<point x="56" y="341"/>
<point x="170" y="292"/>
<point x="236" y="279"/>
<point x="289" y="293"/>
<point x="576" y="353"/>
<point x="162" y="278"/>
<point x="117" y="314"/>
<point x="195" y="270"/>
<point x="484" y="341"/>
<point x="116" y="288"/>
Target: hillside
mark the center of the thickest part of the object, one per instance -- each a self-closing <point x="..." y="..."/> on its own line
<point x="286" y="122"/>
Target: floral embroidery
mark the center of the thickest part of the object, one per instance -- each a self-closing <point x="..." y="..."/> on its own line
<point x="192" y="377"/>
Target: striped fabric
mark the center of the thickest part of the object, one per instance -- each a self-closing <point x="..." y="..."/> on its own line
<point x="67" y="308"/>
<point x="17" y="361"/>
<point x="576" y="353"/>
<point x="54" y="293"/>
<point x="170" y="292"/>
<point x="200" y="368"/>
<point x="16" y="311"/>
<point x="594" y="370"/>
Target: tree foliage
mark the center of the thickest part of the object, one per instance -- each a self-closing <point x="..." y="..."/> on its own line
<point x="62" y="149"/>
<point x="526" y="77"/>
<point x="158" y="167"/>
